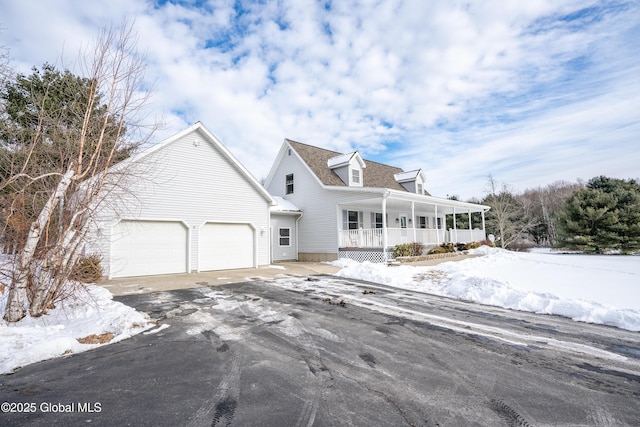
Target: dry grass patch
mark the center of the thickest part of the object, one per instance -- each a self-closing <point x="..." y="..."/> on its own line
<point x="96" y="339"/>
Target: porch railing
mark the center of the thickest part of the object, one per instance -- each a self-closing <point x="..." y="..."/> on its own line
<point x="466" y="235"/>
<point x="372" y="237"/>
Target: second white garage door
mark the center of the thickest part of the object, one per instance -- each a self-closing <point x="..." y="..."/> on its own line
<point x="225" y="246"/>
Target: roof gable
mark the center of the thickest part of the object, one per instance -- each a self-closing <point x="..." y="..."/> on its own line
<point x="346" y="159"/>
<point x="317" y="159"/>
<point x="208" y="137"/>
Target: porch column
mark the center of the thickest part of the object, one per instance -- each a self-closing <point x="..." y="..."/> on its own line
<point x="436" y="224"/>
<point x="384" y="226"/>
<point x="483" y="227"/>
<point x="339" y="226"/>
<point x="413" y="218"/>
<point x="470" y="228"/>
<point x="455" y="230"/>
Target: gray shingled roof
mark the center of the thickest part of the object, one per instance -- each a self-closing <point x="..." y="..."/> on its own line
<point x="375" y="174"/>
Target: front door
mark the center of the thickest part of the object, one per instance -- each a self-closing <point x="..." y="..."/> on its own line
<point x="403" y="225"/>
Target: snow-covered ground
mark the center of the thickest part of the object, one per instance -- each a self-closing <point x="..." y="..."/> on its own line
<point x="90" y="312"/>
<point x="597" y="289"/>
<point x="587" y="288"/>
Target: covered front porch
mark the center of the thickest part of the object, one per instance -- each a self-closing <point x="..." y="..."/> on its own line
<point x="376" y="225"/>
<point x="374" y="237"/>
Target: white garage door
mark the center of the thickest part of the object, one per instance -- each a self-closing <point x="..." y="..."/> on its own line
<point x="225" y="246"/>
<point x="142" y="248"/>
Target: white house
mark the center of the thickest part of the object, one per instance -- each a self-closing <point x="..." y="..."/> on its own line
<point x="351" y="207"/>
<point x="189" y="206"/>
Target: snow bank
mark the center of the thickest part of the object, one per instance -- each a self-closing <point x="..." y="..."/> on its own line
<point x="594" y="289"/>
<point x="91" y="310"/>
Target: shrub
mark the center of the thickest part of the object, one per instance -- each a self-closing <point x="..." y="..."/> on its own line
<point x="437" y="250"/>
<point x="408" y="249"/>
<point x="472" y="245"/>
<point x="448" y="247"/>
<point x="87" y="269"/>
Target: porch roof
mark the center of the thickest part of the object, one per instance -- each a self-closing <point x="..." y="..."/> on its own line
<point x="372" y="198"/>
<point x="284" y="206"/>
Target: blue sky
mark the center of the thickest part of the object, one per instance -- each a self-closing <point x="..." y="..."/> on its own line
<point x="530" y="92"/>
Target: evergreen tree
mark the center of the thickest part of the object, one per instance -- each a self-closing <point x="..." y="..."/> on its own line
<point x="602" y="217"/>
<point x="42" y="122"/>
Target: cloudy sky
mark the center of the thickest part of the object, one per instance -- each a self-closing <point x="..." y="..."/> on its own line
<point x="529" y="91"/>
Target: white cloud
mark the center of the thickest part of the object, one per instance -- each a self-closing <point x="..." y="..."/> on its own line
<point x="461" y="90"/>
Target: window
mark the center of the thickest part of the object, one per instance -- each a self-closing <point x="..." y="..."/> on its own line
<point x="439" y="222"/>
<point x="289" y="183"/>
<point x="352" y="220"/>
<point x="285" y="236"/>
<point x="422" y="222"/>
<point x="378" y="220"/>
<point x="355" y="176"/>
<point x="420" y="189"/>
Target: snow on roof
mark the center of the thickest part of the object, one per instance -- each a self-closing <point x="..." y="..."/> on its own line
<point x="407" y="176"/>
<point x="283" y="205"/>
<point x="344" y="159"/>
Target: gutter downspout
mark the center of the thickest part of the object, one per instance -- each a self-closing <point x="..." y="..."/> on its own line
<point x="297" y="237"/>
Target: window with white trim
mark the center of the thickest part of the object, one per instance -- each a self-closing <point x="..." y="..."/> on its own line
<point x="284" y="235"/>
<point x="355" y="176"/>
<point x="378" y="220"/>
<point x="420" y="189"/>
<point x="422" y="222"/>
<point x="352" y="220"/>
<point x="289" y="183"/>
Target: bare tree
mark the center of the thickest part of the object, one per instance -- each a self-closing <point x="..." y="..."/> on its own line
<point x="82" y="145"/>
<point x="546" y="202"/>
<point x="509" y="217"/>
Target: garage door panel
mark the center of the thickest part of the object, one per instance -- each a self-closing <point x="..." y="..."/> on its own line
<point x="226" y="246"/>
<point x="141" y="248"/>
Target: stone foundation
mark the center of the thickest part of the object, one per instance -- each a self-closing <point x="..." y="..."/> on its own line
<point x="316" y="257"/>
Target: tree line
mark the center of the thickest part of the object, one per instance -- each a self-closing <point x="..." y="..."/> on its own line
<point x="599" y="216"/>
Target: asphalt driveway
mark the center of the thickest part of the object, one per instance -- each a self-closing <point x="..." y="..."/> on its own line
<point x="321" y="350"/>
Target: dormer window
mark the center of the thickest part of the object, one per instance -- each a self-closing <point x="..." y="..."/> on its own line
<point x="412" y="181"/>
<point x="355" y="176"/>
<point x="349" y="167"/>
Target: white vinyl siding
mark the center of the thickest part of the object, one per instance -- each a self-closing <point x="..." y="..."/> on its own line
<point x="191" y="180"/>
<point x="279" y="223"/>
